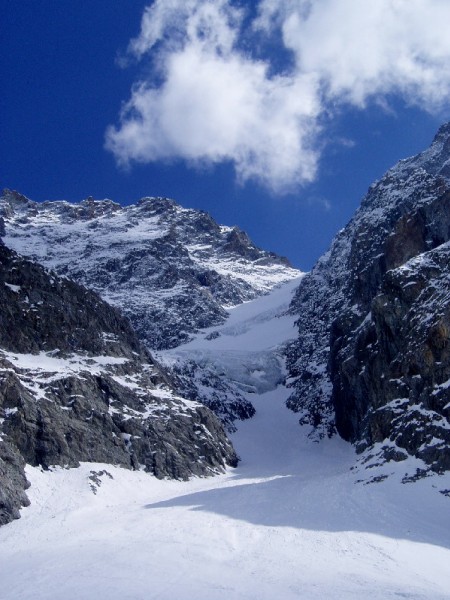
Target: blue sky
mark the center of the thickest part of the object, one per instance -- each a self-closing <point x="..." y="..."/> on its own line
<point x="274" y="116"/>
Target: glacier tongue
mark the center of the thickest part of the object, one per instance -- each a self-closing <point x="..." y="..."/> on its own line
<point x="242" y="357"/>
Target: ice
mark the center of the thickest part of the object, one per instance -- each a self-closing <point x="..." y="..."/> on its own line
<point x="12" y="287"/>
<point x="245" y="349"/>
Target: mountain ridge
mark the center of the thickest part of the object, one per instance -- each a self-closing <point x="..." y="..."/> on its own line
<point x="76" y="384"/>
<point x="355" y="356"/>
<point x="172" y="271"/>
<point x="196" y="267"/>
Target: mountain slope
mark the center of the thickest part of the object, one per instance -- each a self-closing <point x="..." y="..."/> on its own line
<point x="228" y="365"/>
<point x="77" y="385"/>
<point x="171" y="270"/>
<point x="289" y="522"/>
<point x="373" y="315"/>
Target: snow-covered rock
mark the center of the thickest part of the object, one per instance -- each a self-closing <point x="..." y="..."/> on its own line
<point x="171" y="270"/>
<point x="372" y="356"/>
<point x="77" y="385"/>
<point x="228" y="365"/>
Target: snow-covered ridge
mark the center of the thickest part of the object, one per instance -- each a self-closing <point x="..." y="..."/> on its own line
<point x="373" y="318"/>
<point x="172" y="270"/>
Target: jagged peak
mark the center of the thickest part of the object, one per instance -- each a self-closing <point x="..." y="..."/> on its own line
<point x="129" y="253"/>
<point x="443" y="133"/>
<point x="155" y="204"/>
<point x="434" y="159"/>
<point x="15" y="198"/>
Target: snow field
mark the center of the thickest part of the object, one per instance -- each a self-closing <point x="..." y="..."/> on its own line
<point x="290" y="522"/>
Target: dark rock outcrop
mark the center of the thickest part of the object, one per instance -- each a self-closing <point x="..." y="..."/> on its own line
<point x="77" y="385"/>
<point x="13" y="483"/>
<point x="41" y="311"/>
<point x="392" y="381"/>
<point x="202" y="381"/>
<point x="372" y="358"/>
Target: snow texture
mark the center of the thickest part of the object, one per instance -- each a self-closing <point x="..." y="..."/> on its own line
<point x="290" y="523"/>
<point x="172" y="270"/>
<point x="294" y="520"/>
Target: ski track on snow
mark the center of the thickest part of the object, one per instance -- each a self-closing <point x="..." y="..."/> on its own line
<point x="290" y="522"/>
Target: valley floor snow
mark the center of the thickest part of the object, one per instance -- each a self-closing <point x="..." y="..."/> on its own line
<point x="290" y="522"/>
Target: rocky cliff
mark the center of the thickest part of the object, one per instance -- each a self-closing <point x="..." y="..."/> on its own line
<point x="172" y="271"/>
<point x="76" y="384"/>
<point x="372" y="359"/>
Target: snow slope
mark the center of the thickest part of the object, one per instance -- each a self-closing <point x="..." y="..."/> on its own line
<point x="224" y="366"/>
<point x="290" y="522"/>
<point x="246" y="351"/>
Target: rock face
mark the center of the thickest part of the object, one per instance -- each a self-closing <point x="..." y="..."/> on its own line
<point x="372" y="359"/>
<point x="200" y="380"/>
<point x="171" y="270"/>
<point x="13" y="483"/>
<point x="77" y="385"/>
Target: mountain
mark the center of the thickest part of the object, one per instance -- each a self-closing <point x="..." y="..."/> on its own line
<point x="289" y="522"/>
<point x="172" y="271"/>
<point x="372" y="359"/>
<point x="77" y="385"/>
<point x="359" y="346"/>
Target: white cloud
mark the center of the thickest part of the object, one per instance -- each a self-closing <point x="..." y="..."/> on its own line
<point x="208" y="100"/>
<point x="363" y="49"/>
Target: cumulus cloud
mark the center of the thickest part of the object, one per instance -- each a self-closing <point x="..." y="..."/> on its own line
<point x="363" y="49"/>
<point x="212" y="95"/>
